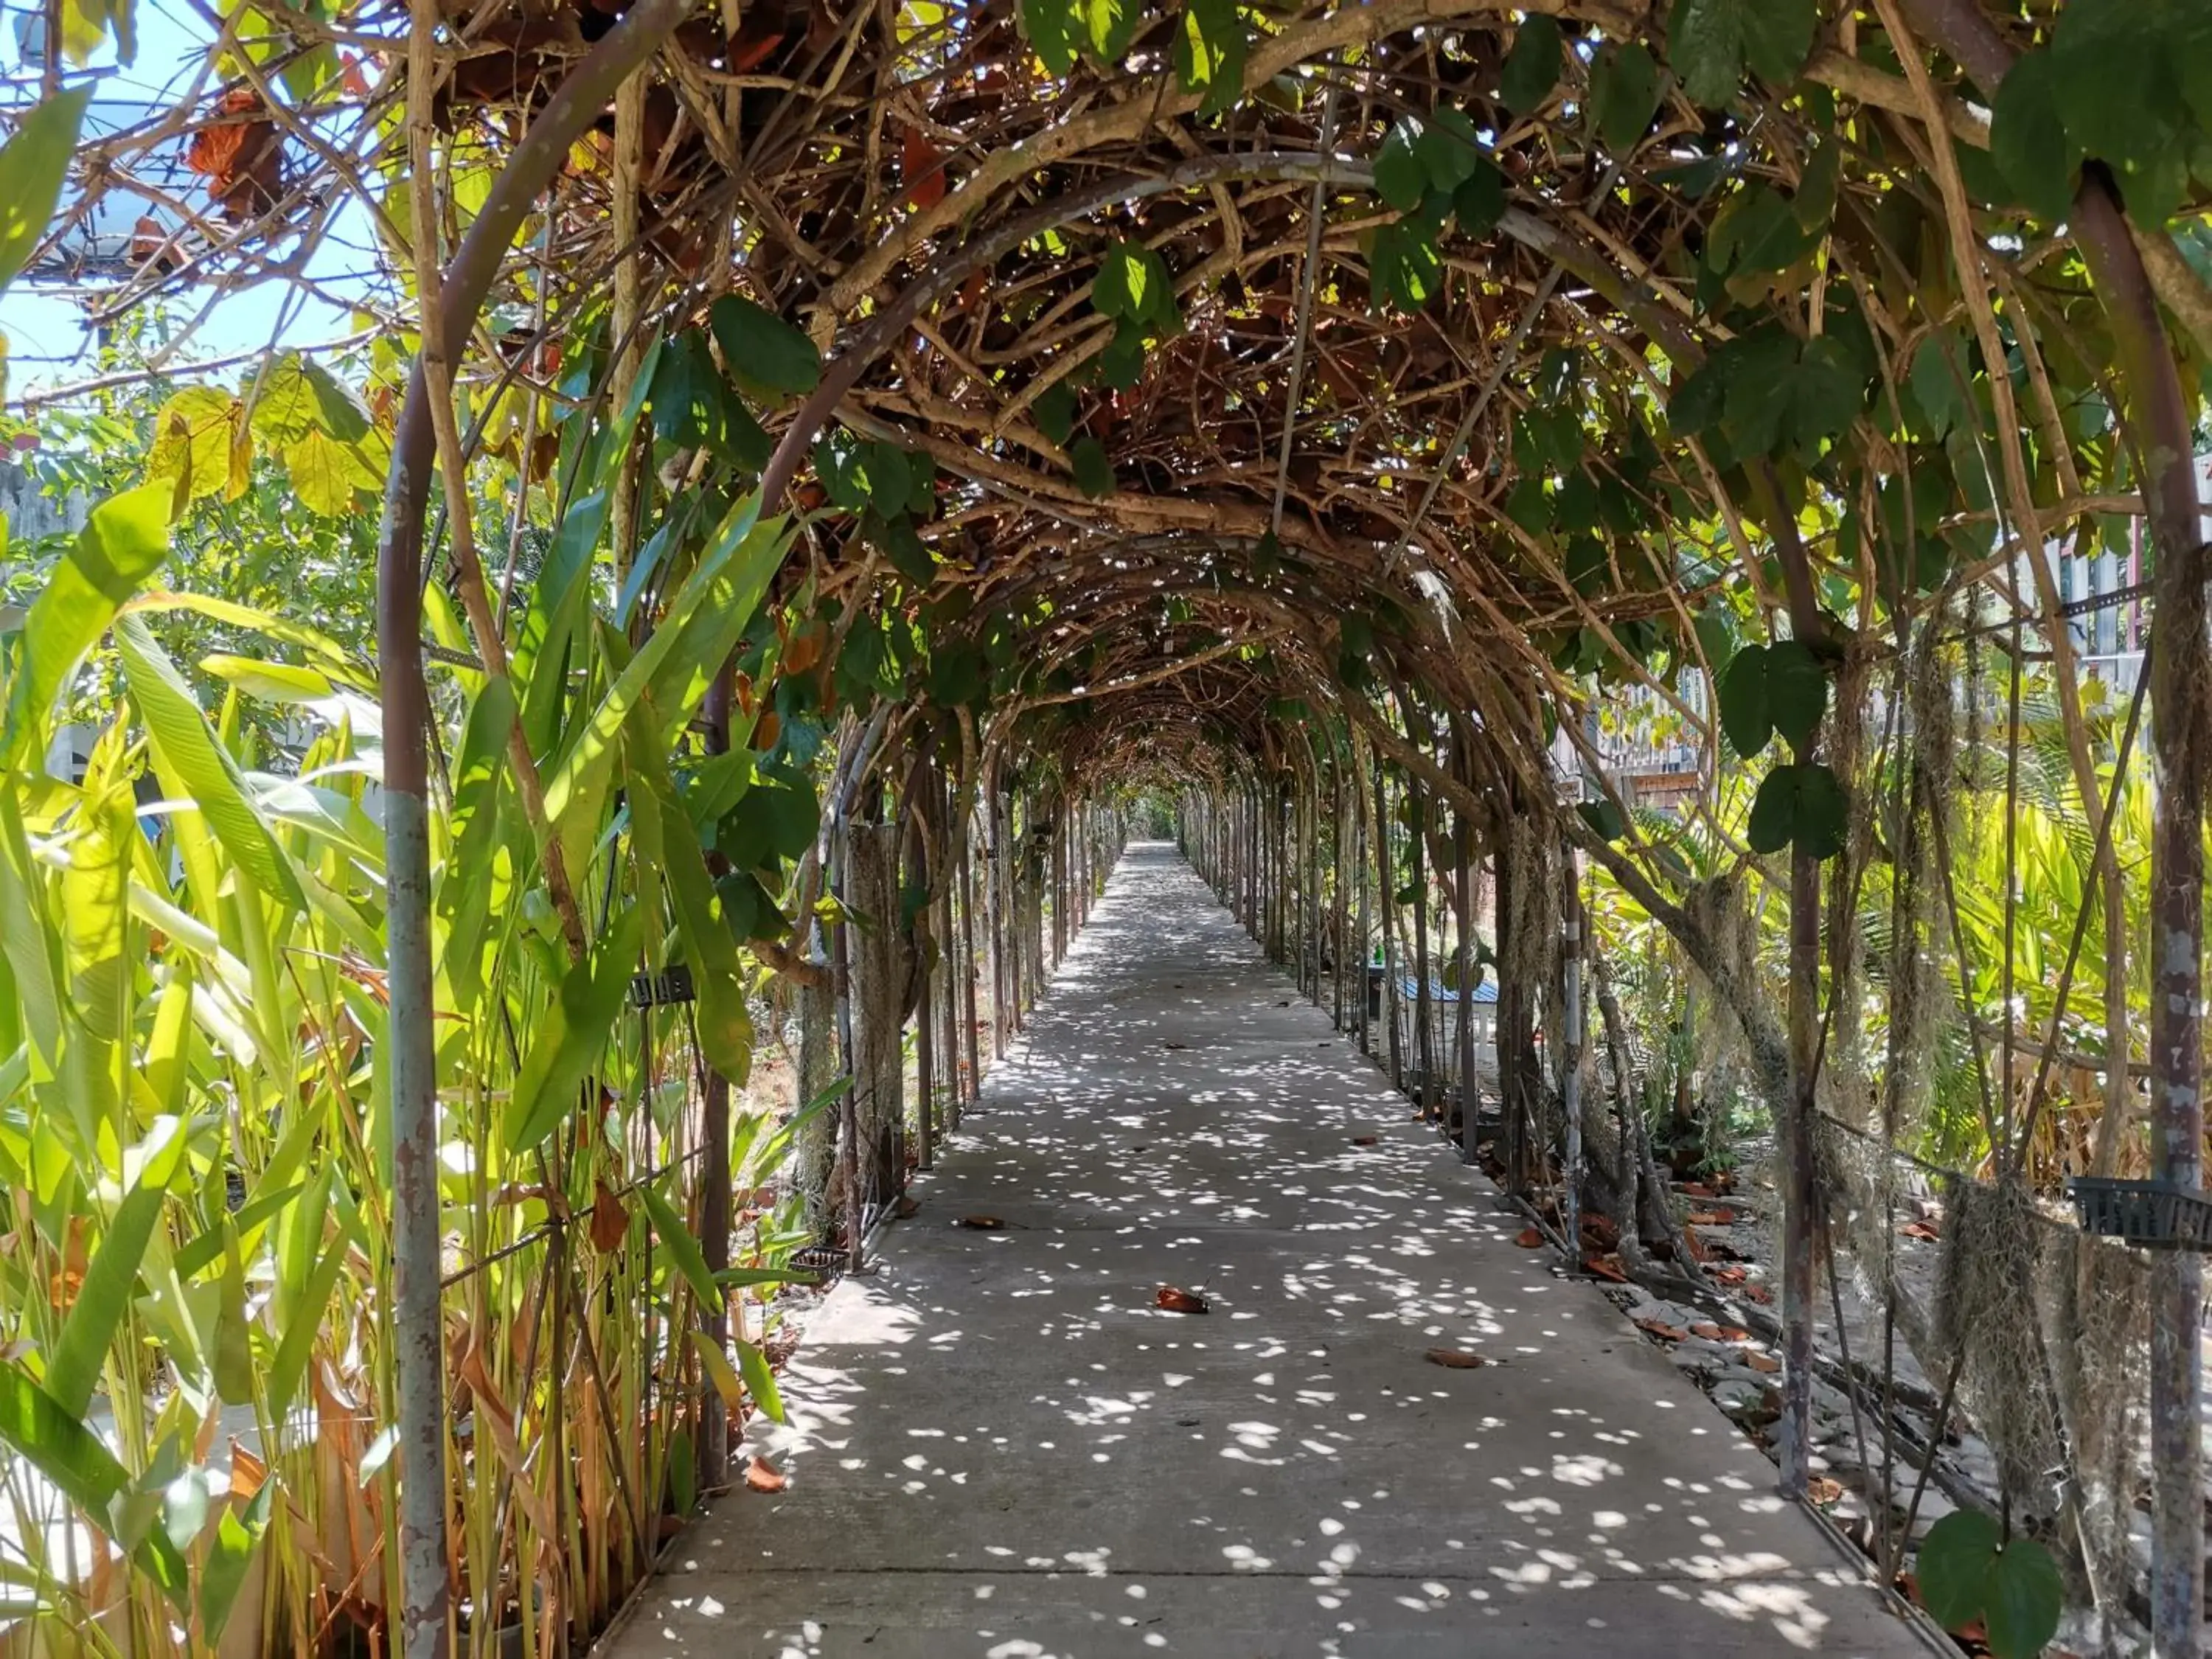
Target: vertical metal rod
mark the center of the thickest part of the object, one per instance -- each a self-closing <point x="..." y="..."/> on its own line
<point x="1570" y="1057"/>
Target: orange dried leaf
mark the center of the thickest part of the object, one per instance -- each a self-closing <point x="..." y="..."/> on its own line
<point x="610" y="1219"/>
<point x="1180" y="1301"/>
<point x="922" y="168"/>
<point x="763" y="1476"/>
<point x="982" y="1224"/>
<point x="1363" y="1140"/>
<point x="1766" y="1363"/>
<point x="1605" y="1266"/>
<point x="1530" y="1238"/>
<point x="1661" y="1329"/>
<point x="1457" y="1359"/>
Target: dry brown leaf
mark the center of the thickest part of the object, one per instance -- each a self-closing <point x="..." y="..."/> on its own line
<point x="1363" y="1140"/>
<point x="1180" y="1301"/>
<point x="1921" y="1231"/>
<point x="1766" y="1363"/>
<point x="763" y="1476"/>
<point x="1457" y="1359"/>
<point x="1661" y="1329"/>
<point x="921" y="169"/>
<point x="1530" y="1238"/>
<point x="982" y="1224"/>
<point x="1605" y="1266"/>
<point x="1712" y="1218"/>
<point x="1822" y="1490"/>
<point x="909" y="1207"/>
<point x="1710" y="1331"/>
<point x="610" y="1219"/>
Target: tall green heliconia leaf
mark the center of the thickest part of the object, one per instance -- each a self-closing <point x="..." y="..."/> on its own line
<point x="705" y="619"/>
<point x="760" y="1381"/>
<point x="194" y="764"/>
<point x="31" y="944"/>
<point x="110" y="1282"/>
<point x="55" y="1442"/>
<point x="669" y="846"/>
<point x="34" y="163"/>
<point x="230" y="1552"/>
<point x="464" y="894"/>
<point x="122" y="544"/>
<point x="570" y="1039"/>
<point x="682" y="1247"/>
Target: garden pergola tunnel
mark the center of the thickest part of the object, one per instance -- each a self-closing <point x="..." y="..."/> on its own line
<point x="1330" y="484"/>
<point x="1684" y="519"/>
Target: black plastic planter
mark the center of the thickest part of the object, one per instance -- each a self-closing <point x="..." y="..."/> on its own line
<point x="2150" y="1215"/>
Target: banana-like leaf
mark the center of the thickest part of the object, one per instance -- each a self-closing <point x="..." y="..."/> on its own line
<point x="705" y="620"/>
<point x="669" y="846"/>
<point x="681" y="1246"/>
<point x="32" y="946"/>
<point x="123" y="542"/>
<point x="573" y="1035"/>
<point x="73" y="1368"/>
<point x="186" y="751"/>
<point x="760" y="1380"/>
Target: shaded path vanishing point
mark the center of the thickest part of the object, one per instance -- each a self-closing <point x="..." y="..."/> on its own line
<point x="1000" y="1447"/>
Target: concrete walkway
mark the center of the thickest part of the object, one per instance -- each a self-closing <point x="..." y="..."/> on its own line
<point x="1001" y="1447"/>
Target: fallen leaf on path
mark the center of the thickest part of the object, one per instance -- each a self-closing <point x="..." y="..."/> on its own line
<point x="1175" y="1045"/>
<point x="1710" y="1331"/>
<point x="763" y="1476"/>
<point x="1457" y="1359"/>
<point x="1712" y="1218"/>
<point x="1363" y="1140"/>
<point x="1921" y="1231"/>
<point x="1661" y="1329"/>
<point x="1184" y="1302"/>
<point x="982" y="1224"/>
<point x="1763" y="1362"/>
<point x="1758" y="1293"/>
<point x="1530" y="1238"/>
<point x="1605" y="1267"/>
<point x="1728" y="1276"/>
<point x="1821" y="1490"/>
<point x="909" y="1207"/>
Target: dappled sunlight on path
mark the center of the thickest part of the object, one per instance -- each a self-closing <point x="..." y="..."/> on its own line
<point x="1001" y="1446"/>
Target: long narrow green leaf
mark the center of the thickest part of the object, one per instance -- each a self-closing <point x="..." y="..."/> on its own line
<point x="55" y="1442"/>
<point x="122" y="544"/>
<point x="199" y="1252"/>
<point x="230" y="1552"/>
<point x="670" y="847"/>
<point x="681" y="1246"/>
<point x="303" y="1324"/>
<point x="73" y="1368"/>
<point x="573" y="1035"/>
<point x="707" y="617"/>
<point x="760" y="1380"/>
<point x="186" y="750"/>
<point x="31" y="944"/>
<point x="34" y="162"/>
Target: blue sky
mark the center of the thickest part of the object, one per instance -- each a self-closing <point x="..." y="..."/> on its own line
<point x="50" y="340"/>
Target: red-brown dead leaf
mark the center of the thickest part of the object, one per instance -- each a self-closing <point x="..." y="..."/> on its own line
<point x="1180" y="1301"/>
<point x="763" y="1476"/>
<point x="1530" y="1238"/>
<point x="1921" y="1231"/>
<point x="1605" y="1266"/>
<point x="982" y="1224"/>
<point x="1728" y="1275"/>
<point x="1766" y="1363"/>
<point x="1363" y="1140"/>
<point x="1457" y="1359"/>
<point x="1758" y="1293"/>
<point x="1735" y="1333"/>
<point x="1712" y="1218"/>
<point x="922" y="168"/>
<point x="1699" y="1250"/>
<point x="1710" y="1331"/>
<point x="1695" y="1189"/>
<point x="1820" y="1489"/>
<point x="610" y="1219"/>
<point x="1661" y="1329"/>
